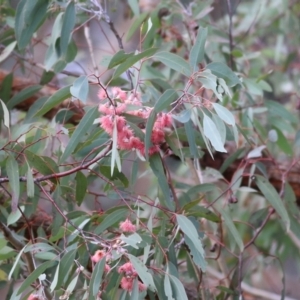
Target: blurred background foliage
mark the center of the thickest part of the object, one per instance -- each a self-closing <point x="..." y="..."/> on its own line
<point x="56" y="55"/>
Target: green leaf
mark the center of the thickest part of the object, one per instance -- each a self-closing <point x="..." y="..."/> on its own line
<point x="14" y="216"/>
<point x="143" y="272"/>
<point x="132" y="60"/>
<point x="111" y="219"/>
<point x="149" y="129"/>
<point x="80" y="131"/>
<point x="178" y="289"/>
<point x="81" y="187"/>
<point x="17" y="259"/>
<point x="134" y="5"/>
<point x="96" y="279"/>
<point x="197" y="255"/>
<point x="6" y="87"/>
<point x="118" y="58"/>
<point x="66" y="264"/>
<point x="7" y="51"/>
<point x="201" y="212"/>
<point x="23" y="95"/>
<point x="158" y="170"/>
<point x="283" y="143"/>
<point x="54" y="100"/>
<point x="133" y="240"/>
<point x="212" y="133"/>
<point x="231" y="227"/>
<point x="197" y="51"/>
<point x="44" y="164"/>
<point x="190" y="231"/>
<point x="174" y="62"/>
<point x="29" y="182"/>
<point x="190" y="134"/>
<point x="67" y="27"/>
<point x="183" y="117"/>
<point x="136" y="25"/>
<point x="12" y="170"/>
<point x="165" y="100"/>
<point x="80" y="88"/>
<point x="273" y="198"/>
<point x="224" y="114"/>
<point x="277" y="109"/>
<point x="167" y="287"/>
<point x="6" y="119"/>
<point x="222" y="71"/>
<point x="34" y="275"/>
<point x="29" y="17"/>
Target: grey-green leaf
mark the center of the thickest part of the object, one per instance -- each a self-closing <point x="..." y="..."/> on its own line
<point x="34" y="275"/>
<point x="81" y="129"/>
<point x="54" y="100"/>
<point x="231" y="227"/>
<point x="190" y="231"/>
<point x="80" y="88"/>
<point x="12" y="170"/>
<point x="224" y="114"/>
<point x="273" y="198"/>
<point x="212" y="133"/>
<point x="222" y="71"/>
<point x="29" y="16"/>
<point x="132" y="60"/>
<point x="174" y="62"/>
<point x="165" y="100"/>
<point x="143" y="272"/>
<point x="197" y="51"/>
<point x="67" y="27"/>
<point x="96" y="279"/>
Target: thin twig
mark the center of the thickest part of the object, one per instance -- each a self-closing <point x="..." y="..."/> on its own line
<point x="230" y="33"/>
<point x="65" y="173"/>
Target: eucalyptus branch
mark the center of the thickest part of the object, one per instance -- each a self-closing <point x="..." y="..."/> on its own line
<point x="18" y="245"/>
<point x="104" y="152"/>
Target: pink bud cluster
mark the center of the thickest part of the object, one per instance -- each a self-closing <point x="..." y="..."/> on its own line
<point x="34" y="297"/>
<point x="130" y="275"/>
<point x="99" y="254"/>
<point x="112" y="118"/>
<point x="127" y="226"/>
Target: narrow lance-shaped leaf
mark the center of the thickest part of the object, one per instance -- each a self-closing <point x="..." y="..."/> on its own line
<point x="158" y="170"/>
<point x="6" y="119"/>
<point x="143" y="272"/>
<point x="34" y="275"/>
<point x="197" y="51"/>
<point x="7" y="51"/>
<point x="81" y="129"/>
<point x="165" y="100"/>
<point x="23" y="95"/>
<point x="273" y="198"/>
<point x="212" y="133"/>
<point x="29" y="17"/>
<point x="174" y="62"/>
<point x="149" y="129"/>
<point x="67" y="26"/>
<point x="54" y="100"/>
<point x="132" y="60"/>
<point x="96" y="279"/>
<point x="81" y="187"/>
<point x="12" y="170"/>
<point x="190" y="231"/>
<point x="231" y="227"/>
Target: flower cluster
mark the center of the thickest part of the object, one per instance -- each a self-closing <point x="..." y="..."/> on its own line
<point x="127" y="226"/>
<point x="34" y="297"/>
<point x="130" y="275"/>
<point x="112" y="118"/>
<point x="98" y="255"/>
